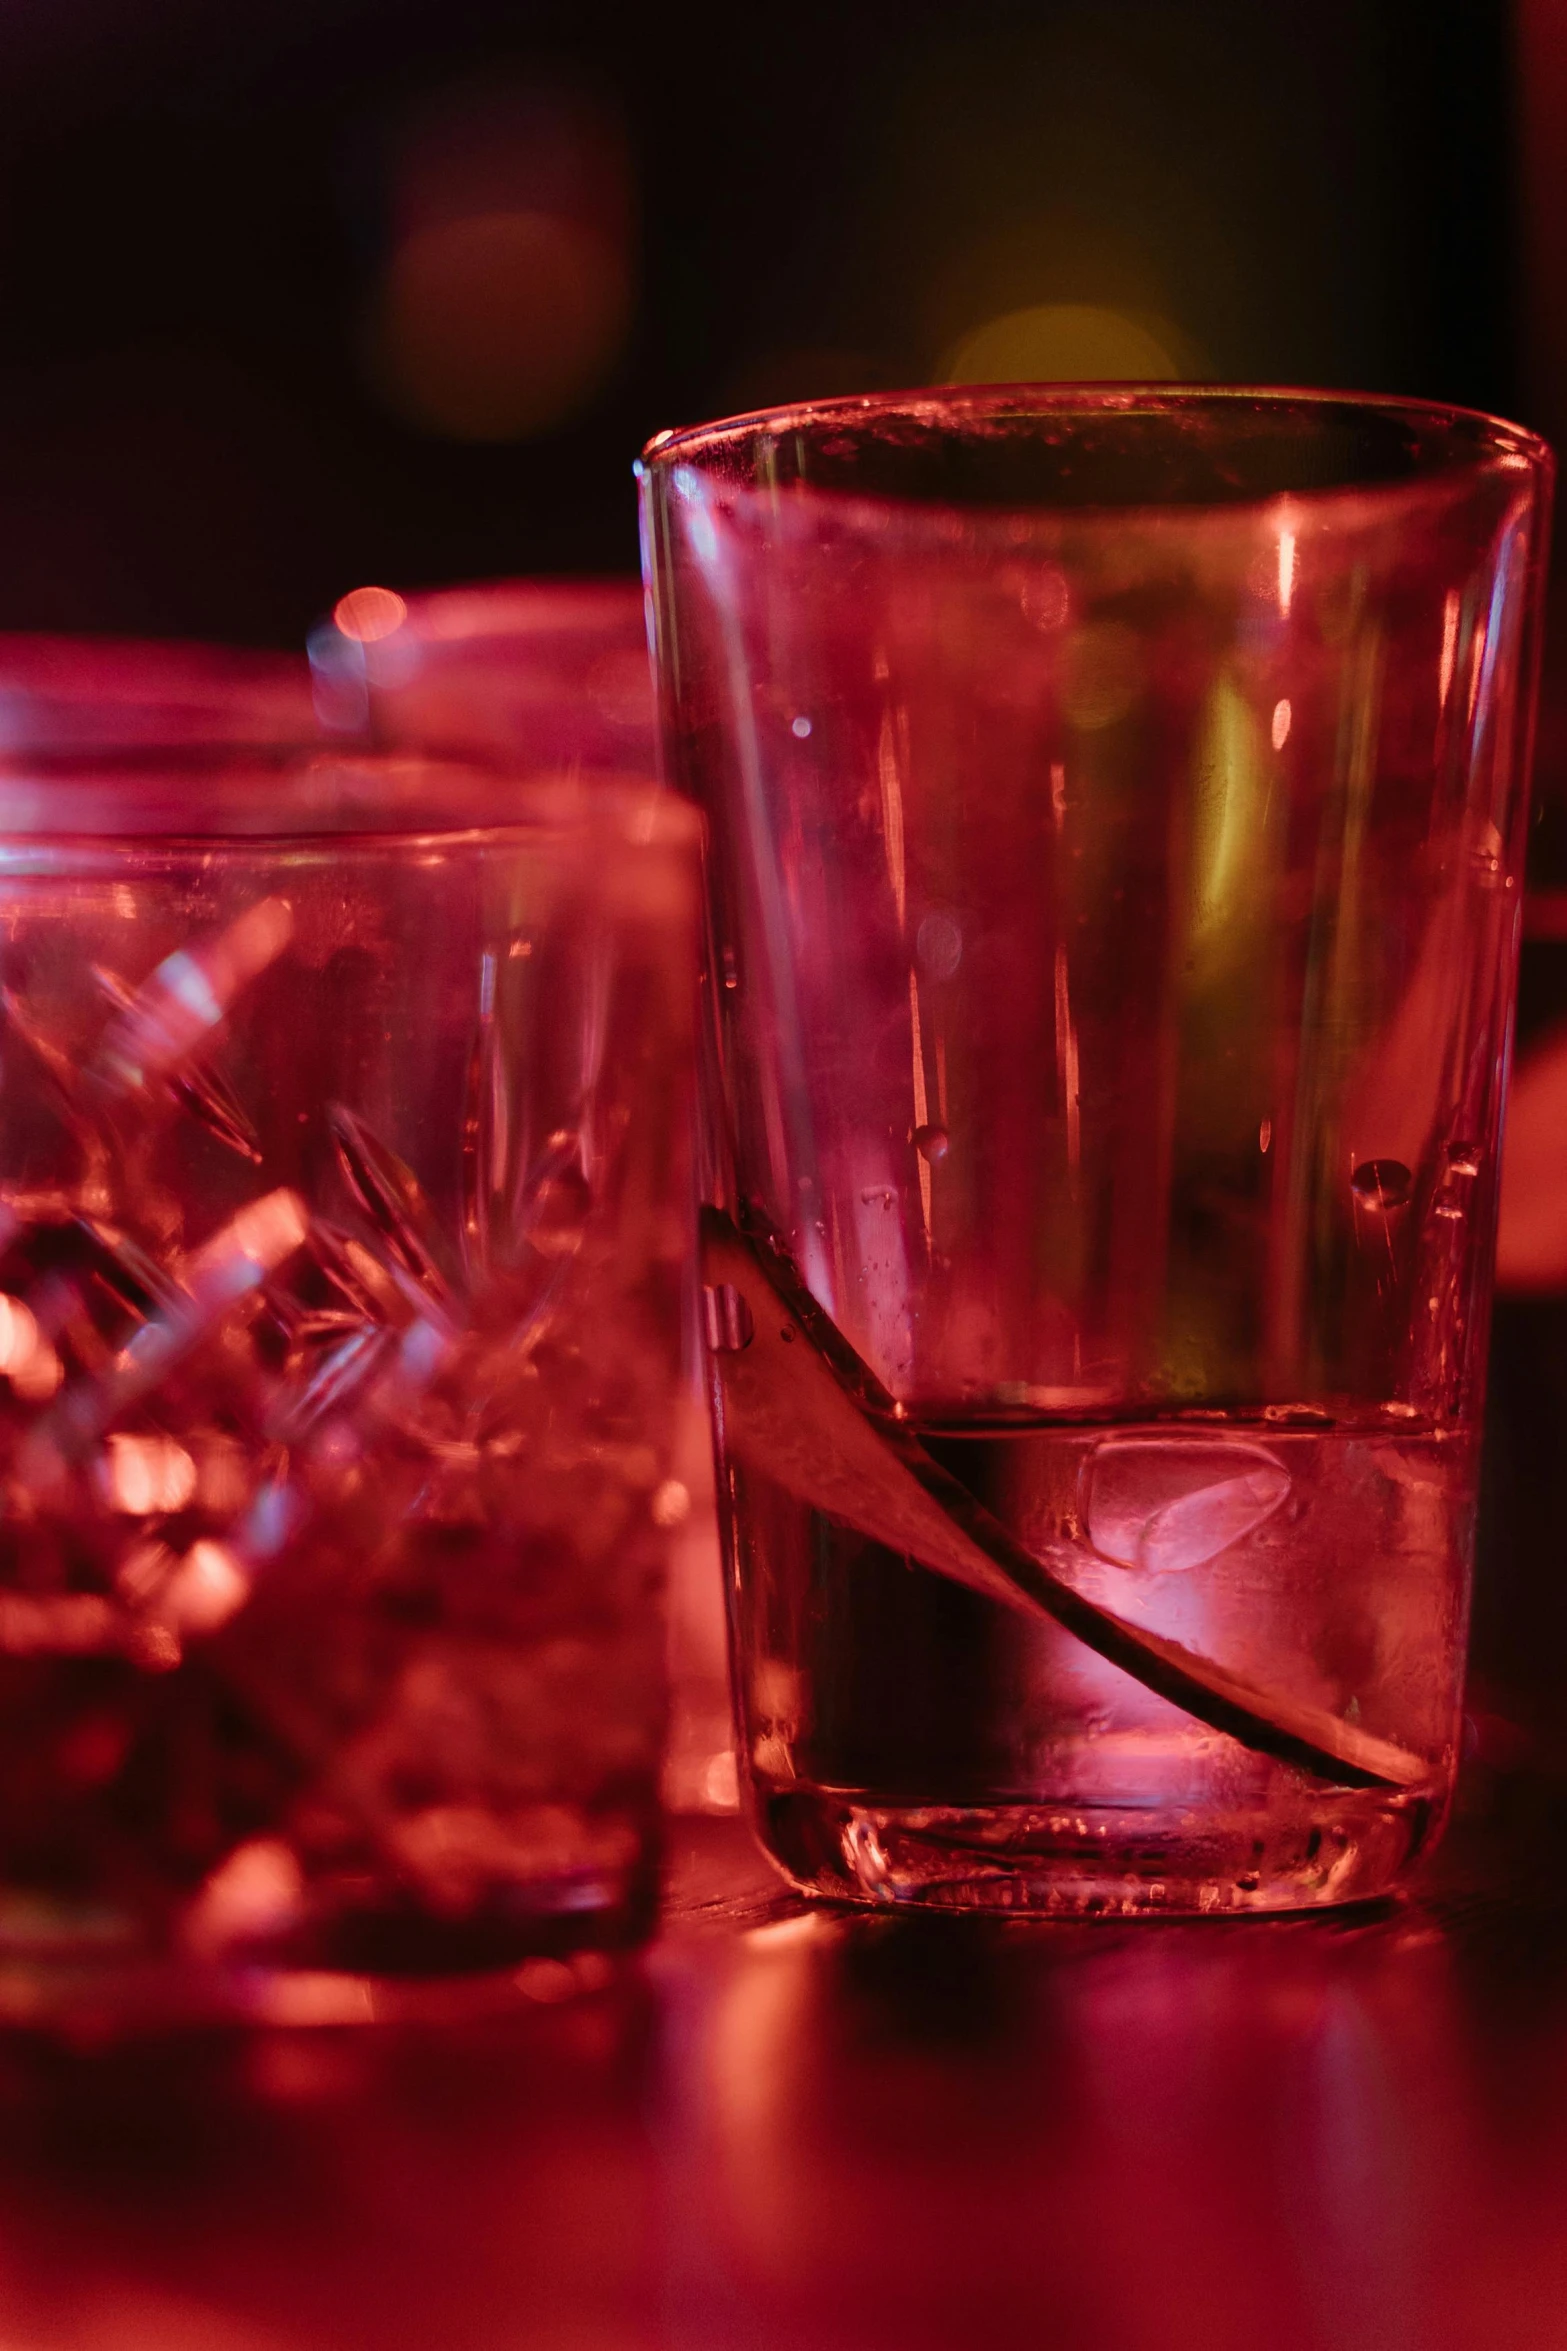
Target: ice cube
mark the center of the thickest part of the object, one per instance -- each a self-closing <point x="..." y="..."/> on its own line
<point x="1163" y="1504"/>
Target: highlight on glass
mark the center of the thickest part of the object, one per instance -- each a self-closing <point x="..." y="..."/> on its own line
<point x="1116" y="806"/>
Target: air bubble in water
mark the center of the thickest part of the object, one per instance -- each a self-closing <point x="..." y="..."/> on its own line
<point x="931" y="1142"/>
<point x="1465" y="1158"/>
<point x="1381" y="1184"/>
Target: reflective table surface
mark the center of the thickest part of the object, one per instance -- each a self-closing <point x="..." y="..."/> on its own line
<point x="826" y="2132"/>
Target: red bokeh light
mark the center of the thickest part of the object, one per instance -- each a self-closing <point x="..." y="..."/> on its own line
<point x="368" y="614"/>
<point x="506" y="293"/>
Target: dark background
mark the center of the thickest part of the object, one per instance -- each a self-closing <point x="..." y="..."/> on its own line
<point x="202" y="203"/>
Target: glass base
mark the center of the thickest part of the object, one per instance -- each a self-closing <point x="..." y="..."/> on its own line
<point x="87" y="2005"/>
<point x="1336" y="1846"/>
<point x="88" y="1974"/>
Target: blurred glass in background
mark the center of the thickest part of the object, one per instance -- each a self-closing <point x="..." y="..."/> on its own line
<point x="83" y="694"/>
<point x="551" y="679"/>
<point x="551" y="671"/>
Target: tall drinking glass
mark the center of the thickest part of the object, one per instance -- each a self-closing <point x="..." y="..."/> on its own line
<point x="1116" y="804"/>
<point x="344" y="1216"/>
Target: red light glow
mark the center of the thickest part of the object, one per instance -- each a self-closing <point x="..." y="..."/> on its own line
<point x="368" y="614"/>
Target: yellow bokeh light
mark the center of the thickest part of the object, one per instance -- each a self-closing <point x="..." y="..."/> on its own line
<point x="1069" y="343"/>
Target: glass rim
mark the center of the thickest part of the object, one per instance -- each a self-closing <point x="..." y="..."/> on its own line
<point x="1457" y="444"/>
<point x="240" y="801"/>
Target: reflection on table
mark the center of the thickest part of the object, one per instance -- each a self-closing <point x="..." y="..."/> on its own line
<point x="829" y="2132"/>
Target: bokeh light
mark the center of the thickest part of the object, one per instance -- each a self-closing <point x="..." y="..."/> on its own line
<point x="1070" y="342"/>
<point x="506" y="293"/>
<point x="368" y="614"/>
<point x="496" y="327"/>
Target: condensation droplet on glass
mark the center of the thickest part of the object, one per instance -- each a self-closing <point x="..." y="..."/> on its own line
<point x="726" y="1318"/>
<point x="931" y="1142"/>
<point x="671" y="1504"/>
<point x="1465" y="1159"/>
<point x="1381" y="1184"/>
<point x="1265" y="1136"/>
<point x="939" y="945"/>
<point x="731" y="972"/>
<point x="560" y="1206"/>
<point x="1046" y="598"/>
<point x="800" y="727"/>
